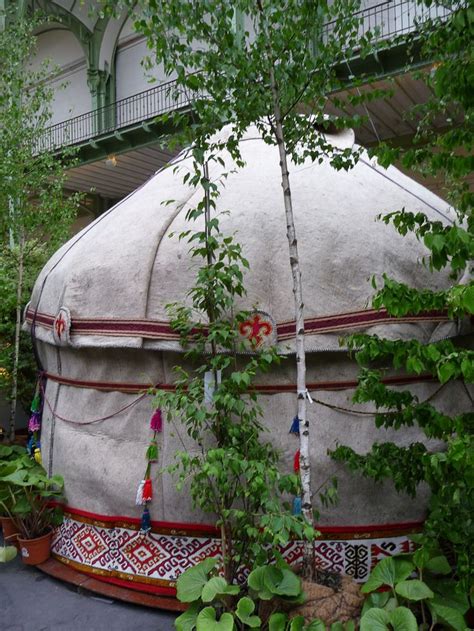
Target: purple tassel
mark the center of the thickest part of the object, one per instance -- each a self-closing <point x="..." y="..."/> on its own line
<point x="145" y="525"/>
<point x="34" y="424"/>
<point x="295" y="426"/>
<point x="156" y="421"/>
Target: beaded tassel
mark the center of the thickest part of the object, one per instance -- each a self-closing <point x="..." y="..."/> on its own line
<point x="147" y="492"/>
<point x="139" y="498"/>
<point x="34" y="424"/>
<point x="37" y="455"/>
<point x="156" y="421"/>
<point x="145" y="525"/>
<point x="295" y="426"/>
<point x="296" y="462"/>
<point x="297" y="509"/>
<point x="152" y="451"/>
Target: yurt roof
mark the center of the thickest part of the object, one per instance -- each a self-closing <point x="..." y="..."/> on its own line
<point x="110" y="284"/>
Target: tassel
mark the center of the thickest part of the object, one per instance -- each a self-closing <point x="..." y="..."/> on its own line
<point x="297" y="510"/>
<point x="146" y="521"/>
<point x="156" y="421"/>
<point x="37" y="455"/>
<point x="29" y="445"/>
<point x="296" y="462"/>
<point x="36" y="403"/>
<point x="297" y="506"/>
<point x="152" y="452"/>
<point x="295" y="426"/>
<point x="139" y="498"/>
<point x="147" y="492"/>
<point x="34" y="422"/>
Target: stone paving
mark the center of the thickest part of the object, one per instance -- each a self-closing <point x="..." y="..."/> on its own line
<point x="32" y="601"/>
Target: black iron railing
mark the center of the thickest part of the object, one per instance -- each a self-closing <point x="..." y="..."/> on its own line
<point x="394" y="18"/>
<point x="137" y="108"/>
<point x="385" y="20"/>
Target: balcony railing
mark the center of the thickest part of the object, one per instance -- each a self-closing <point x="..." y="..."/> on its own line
<point x="395" y="18"/>
<point x="386" y="20"/>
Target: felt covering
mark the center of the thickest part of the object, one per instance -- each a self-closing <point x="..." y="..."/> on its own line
<point x="123" y="269"/>
<point x="99" y="316"/>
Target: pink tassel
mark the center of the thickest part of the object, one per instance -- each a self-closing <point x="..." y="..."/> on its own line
<point x="147" y="491"/>
<point x="34" y="422"/>
<point x="139" y="501"/>
<point x="156" y="421"/>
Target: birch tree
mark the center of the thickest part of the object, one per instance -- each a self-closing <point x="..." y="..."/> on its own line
<point x="35" y="216"/>
<point x="265" y="63"/>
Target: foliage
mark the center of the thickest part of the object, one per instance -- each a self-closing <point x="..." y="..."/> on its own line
<point x="420" y="591"/>
<point x="27" y="493"/>
<point x="271" y="65"/>
<point x="233" y="473"/>
<point x="216" y="604"/>
<point x="442" y="147"/>
<point x="11" y="457"/>
<point x="7" y="553"/>
<point x="35" y="216"/>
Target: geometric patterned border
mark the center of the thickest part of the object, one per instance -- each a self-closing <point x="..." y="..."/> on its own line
<point x="117" y="550"/>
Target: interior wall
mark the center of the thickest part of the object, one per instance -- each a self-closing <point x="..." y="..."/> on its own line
<point x="72" y="96"/>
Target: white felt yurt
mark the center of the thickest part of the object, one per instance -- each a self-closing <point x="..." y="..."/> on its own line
<point x="101" y="328"/>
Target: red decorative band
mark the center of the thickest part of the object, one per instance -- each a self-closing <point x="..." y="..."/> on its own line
<point x="365" y="531"/>
<point x="135" y="388"/>
<point x="158" y="330"/>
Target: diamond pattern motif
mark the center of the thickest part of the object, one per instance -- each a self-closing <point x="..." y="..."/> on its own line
<point x="163" y="557"/>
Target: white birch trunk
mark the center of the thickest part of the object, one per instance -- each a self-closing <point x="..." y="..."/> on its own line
<point x="305" y="470"/>
<point x="16" y="347"/>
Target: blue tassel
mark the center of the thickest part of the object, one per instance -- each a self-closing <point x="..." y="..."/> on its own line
<point x="295" y="426"/>
<point x="29" y="445"/>
<point x="297" y="506"/>
<point x="146" y="521"/>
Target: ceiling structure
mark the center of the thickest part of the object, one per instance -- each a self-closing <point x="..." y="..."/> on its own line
<point x="388" y="119"/>
<point x="117" y="176"/>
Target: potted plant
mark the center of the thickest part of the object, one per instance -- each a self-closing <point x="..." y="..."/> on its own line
<point x="32" y="506"/>
<point x="12" y="458"/>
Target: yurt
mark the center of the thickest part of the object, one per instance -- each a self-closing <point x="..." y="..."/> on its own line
<point x="103" y="338"/>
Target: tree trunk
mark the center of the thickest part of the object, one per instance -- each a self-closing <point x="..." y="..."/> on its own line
<point x="16" y="348"/>
<point x="305" y="470"/>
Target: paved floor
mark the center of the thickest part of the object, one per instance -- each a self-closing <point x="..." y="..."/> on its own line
<point x="33" y="601"/>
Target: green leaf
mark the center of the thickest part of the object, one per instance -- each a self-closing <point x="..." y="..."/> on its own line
<point x="438" y="565"/>
<point x="448" y="615"/>
<point x="388" y="572"/>
<point x="5" y="451"/>
<point x="190" y="583"/>
<point x="278" y="621"/>
<point x="375" y="620"/>
<point x="402" y="619"/>
<point x="289" y="585"/>
<point x="376" y="599"/>
<point x="7" y="553"/>
<point x="316" y="625"/>
<point x="296" y="624"/>
<point x="257" y="583"/>
<point x="206" y="621"/>
<point x="414" y="589"/>
<point x="244" y="611"/>
<point x="187" y="620"/>
<point x="217" y="585"/>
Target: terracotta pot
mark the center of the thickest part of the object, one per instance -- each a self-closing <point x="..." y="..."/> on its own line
<point x="10" y="531"/>
<point x="35" y="551"/>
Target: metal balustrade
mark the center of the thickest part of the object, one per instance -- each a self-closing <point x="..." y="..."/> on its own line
<point x="385" y="20"/>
